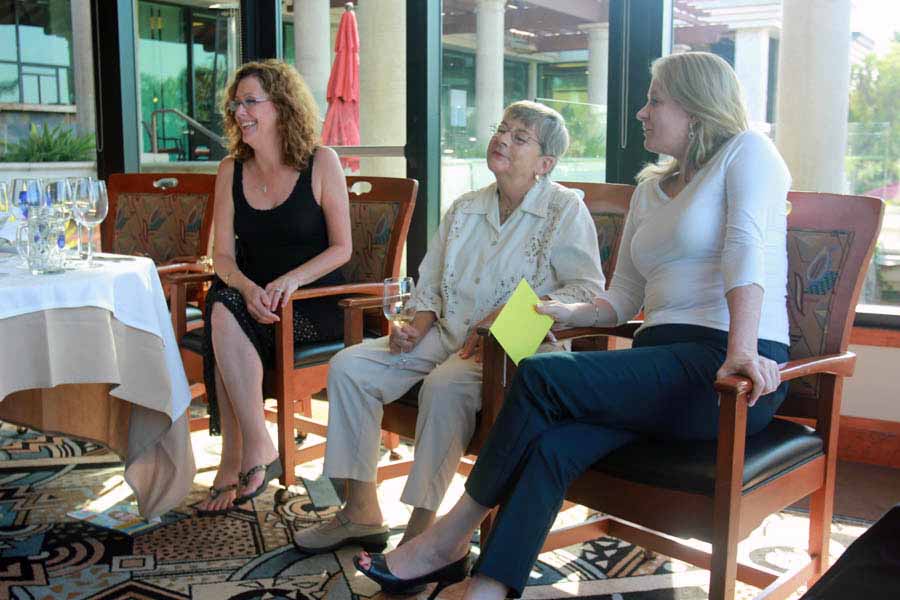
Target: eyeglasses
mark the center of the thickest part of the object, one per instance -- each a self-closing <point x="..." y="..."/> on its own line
<point x="519" y="137"/>
<point x="248" y="103"/>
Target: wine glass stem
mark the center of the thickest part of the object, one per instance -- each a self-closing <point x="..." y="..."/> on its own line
<point x="90" y="247"/>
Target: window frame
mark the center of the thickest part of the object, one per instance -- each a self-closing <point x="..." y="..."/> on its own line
<point x="21" y="104"/>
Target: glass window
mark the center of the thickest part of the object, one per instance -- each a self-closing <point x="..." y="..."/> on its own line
<point x="751" y="39"/>
<point x="381" y="105"/>
<point x="36" y="41"/>
<point x="9" y="83"/>
<point x="547" y="49"/>
<point x="186" y="54"/>
<point x="8" y="46"/>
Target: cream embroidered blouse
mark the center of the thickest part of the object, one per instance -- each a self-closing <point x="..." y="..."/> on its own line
<point x="473" y="263"/>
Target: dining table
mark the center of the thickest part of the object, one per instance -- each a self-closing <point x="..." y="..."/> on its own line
<point x="89" y="352"/>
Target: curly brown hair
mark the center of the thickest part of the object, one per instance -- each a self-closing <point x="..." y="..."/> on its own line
<point x="298" y="114"/>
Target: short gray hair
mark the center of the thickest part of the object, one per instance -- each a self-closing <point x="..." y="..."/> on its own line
<point x="549" y="125"/>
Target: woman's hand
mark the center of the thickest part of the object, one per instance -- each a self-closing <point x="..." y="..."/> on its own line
<point x="563" y="314"/>
<point x="279" y="291"/>
<point x="404" y="338"/>
<point x="257" y="301"/>
<point x="762" y="371"/>
<point x="473" y="344"/>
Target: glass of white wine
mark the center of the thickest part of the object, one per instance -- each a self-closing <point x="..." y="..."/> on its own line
<point x="89" y="211"/>
<point x="397" y="294"/>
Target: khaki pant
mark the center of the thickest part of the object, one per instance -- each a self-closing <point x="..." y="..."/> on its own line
<point x="365" y="377"/>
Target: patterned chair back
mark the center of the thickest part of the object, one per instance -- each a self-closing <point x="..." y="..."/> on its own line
<point x="830" y="241"/>
<point x="163" y="216"/>
<point x="608" y="204"/>
<point x="380" y="213"/>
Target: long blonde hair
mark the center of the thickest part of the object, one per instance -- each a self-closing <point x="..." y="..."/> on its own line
<point x="706" y="87"/>
<point x="298" y="114"/>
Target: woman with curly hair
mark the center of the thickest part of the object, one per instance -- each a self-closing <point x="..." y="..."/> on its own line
<point x="282" y="222"/>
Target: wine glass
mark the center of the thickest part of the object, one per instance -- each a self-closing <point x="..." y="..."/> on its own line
<point x="26" y="194"/>
<point x="81" y="188"/>
<point x="58" y="198"/>
<point x="4" y="202"/>
<point x="397" y="309"/>
<point x="4" y="212"/>
<point x="91" y="206"/>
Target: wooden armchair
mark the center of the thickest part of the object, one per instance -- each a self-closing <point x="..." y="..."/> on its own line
<point x="608" y="204"/>
<point x="380" y="217"/>
<point x="166" y="217"/>
<point x="655" y="492"/>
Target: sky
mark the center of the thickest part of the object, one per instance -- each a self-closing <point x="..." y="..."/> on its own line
<point x="878" y="19"/>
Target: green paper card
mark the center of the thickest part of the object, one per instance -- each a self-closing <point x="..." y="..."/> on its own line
<point x="518" y="328"/>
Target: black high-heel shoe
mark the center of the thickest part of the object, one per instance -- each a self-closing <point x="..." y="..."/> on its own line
<point x="379" y="573"/>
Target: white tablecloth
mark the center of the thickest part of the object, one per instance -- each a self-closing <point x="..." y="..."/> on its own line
<point x="128" y="287"/>
<point x="106" y="325"/>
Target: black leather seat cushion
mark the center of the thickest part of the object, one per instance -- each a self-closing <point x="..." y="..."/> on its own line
<point x="691" y="466"/>
<point x="192" y="313"/>
<point x="305" y="355"/>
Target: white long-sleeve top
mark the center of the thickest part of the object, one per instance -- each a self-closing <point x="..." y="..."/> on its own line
<point x="473" y="263"/>
<point x="727" y="228"/>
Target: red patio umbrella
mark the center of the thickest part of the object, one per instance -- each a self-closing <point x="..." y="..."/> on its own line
<point x="342" y="119"/>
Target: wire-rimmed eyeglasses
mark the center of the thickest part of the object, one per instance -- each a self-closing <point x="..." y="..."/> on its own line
<point x="520" y="137"/>
<point x="247" y="103"/>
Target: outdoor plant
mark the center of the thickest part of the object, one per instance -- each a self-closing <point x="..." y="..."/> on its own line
<point x="50" y="144"/>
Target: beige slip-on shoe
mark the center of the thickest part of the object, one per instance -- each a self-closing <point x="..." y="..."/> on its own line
<point x="326" y="537"/>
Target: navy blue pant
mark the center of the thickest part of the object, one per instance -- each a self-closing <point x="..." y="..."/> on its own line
<point x="567" y="410"/>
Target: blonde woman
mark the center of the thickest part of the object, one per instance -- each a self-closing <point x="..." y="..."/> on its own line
<point x="703" y="251"/>
<point x="282" y="221"/>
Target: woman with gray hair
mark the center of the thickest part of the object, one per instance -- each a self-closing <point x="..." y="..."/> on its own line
<point x="703" y="252"/>
<point x="521" y="226"/>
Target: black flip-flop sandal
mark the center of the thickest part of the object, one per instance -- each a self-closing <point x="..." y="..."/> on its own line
<point x="215" y="492"/>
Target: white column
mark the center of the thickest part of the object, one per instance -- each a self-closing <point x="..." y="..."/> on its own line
<point x="312" y="46"/>
<point x="598" y="61"/>
<point x="813" y="92"/>
<point x="488" y="66"/>
<point x="532" y="81"/>
<point x="382" y="82"/>
<point x="751" y="62"/>
<point x="83" y="67"/>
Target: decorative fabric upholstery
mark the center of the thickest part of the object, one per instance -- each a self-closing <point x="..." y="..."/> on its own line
<point x="371" y="224"/>
<point x="609" y="232"/>
<point x="815" y="260"/>
<point x="161" y="226"/>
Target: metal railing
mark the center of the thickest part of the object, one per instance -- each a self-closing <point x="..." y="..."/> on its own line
<point x="154" y="144"/>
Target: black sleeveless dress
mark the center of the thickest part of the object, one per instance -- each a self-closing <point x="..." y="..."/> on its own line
<point x="268" y="244"/>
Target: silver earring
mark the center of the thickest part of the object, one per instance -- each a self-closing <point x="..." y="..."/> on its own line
<point x="691" y="130"/>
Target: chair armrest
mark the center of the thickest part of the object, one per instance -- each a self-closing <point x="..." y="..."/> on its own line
<point x="362" y="302"/>
<point x="354" y="310"/>
<point x="182" y="278"/>
<point x="337" y="290"/>
<point x="181" y="267"/>
<point x="624" y="331"/>
<point x="835" y="364"/>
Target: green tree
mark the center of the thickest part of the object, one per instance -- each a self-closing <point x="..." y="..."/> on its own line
<point x="874" y="140"/>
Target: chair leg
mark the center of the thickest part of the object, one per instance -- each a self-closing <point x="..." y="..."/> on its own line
<point x="821" y="510"/>
<point x="391" y="441"/>
<point x="286" y="446"/>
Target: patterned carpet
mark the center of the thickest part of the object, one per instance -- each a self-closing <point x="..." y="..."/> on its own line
<point x="248" y="555"/>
